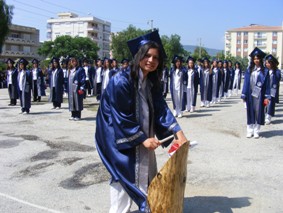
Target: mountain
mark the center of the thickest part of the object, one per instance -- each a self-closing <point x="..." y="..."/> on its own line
<point x="210" y="51"/>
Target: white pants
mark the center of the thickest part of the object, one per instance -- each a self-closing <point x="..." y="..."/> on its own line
<point x="189" y="99"/>
<point x="120" y="200"/>
<point x="253" y="128"/>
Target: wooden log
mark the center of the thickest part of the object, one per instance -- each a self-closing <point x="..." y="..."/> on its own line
<point x="166" y="191"/>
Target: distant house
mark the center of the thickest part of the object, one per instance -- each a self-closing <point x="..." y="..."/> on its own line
<point x="70" y="24"/>
<point x="241" y="41"/>
<point x="21" y="41"/>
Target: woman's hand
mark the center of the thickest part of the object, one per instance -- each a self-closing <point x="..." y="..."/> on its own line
<point x="151" y="143"/>
<point x="181" y="138"/>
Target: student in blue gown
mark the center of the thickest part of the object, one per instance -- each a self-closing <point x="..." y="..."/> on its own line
<point x="24" y="86"/>
<point x="89" y="72"/>
<point x="38" y="84"/>
<point x="77" y="78"/>
<point x="98" y="79"/>
<point x="125" y="65"/>
<point x="64" y="66"/>
<point x="216" y="79"/>
<point x="115" y="66"/>
<point x="237" y="78"/>
<point x="12" y="76"/>
<point x="132" y="112"/>
<point x="225" y="79"/>
<point x="192" y="80"/>
<point x="56" y="83"/>
<point x="107" y="73"/>
<point x="165" y="81"/>
<point x="231" y="79"/>
<point x="256" y="92"/>
<point x="177" y="85"/>
<point x="206" y="88"/>
<point x="275" y="75"/>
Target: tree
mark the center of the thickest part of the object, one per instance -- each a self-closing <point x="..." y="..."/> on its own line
<point x="173" y="46"/>
<point x="119" y="46"/>
<point x="6" y="15"/>
<point x="68" y="46"/>
<point x="200" y="52"/>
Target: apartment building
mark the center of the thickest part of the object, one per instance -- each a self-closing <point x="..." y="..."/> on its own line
<point x="241" y="41"/>
<point x="21" y="41"/>
<point x="70" y="24"/>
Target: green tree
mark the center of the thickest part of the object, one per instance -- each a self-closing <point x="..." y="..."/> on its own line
<point x="68" y="46"/>
<point x="119" y="46"/>
<point x="6" y="15"/>
<point x="200" y="52"/>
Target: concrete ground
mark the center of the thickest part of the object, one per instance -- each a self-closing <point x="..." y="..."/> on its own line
<point x="50" y="164"/>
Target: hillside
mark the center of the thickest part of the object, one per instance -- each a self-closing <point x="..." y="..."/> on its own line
<point x="210" y="51"/>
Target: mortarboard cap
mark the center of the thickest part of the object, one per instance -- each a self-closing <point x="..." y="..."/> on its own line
<point x="237" y="62"/>
<point x="135" y="44"/>
<point x="200" y="60"/>
<point x="225" y="61"/>
<point x="206" y="59"/>
<point x="9" y="61"/>
<point x="272" y="58"/>
<point x="176" y="58"/>
<point x="35" y="61"/>
<point x="190" y="58"/>
<point x="85" y="60"/>
<point x="124" y="60"/>
<point x="257" y="52"/>
<point x="23" y="61"/>
<point x="55" y="59"/>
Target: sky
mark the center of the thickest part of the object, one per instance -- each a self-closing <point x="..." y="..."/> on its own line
<point x="194" y="21"/>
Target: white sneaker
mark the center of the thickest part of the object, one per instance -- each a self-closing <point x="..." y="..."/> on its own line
<point x="256" y="135"/>
<point x="71" y="118"/>
<point x="180" y="115"/>
<point x="267" y="122"/>
<point x="174" y="113"/>
<point x="249" y="135"/>
<point x="77" y="119"/>
<point x="24" y="113"/>
<point x="57" y="108"/>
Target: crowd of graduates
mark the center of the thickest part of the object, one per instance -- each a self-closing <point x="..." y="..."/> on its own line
<point x="215" y="80"/>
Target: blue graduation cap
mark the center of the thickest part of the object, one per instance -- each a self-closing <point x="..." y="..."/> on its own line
<point x="85" y="60"/>
<point x="124" y="60"/>
<point x="23" y="61"/>
<point x="190" y="58"/>
<point x="225" y="62"/>
<point x="206" y="59"/>
<point x="35" y="61"/>
<point x="55" y="59"/>
<point x="9" y="61"/>
<point x="176" y="58"/>
<point x="272" y="58"/>
<point x="135" y="44"/>
<point x="200" y="60"/>
<point x="257" y="52"/>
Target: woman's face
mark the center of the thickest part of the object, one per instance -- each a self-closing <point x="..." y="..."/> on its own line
<point x="257" y="61"/>
<point x="267" y="64"/>
<point x="55" y="64"/>
<point x="150" y="61"/>
<point x="74" y="63"/>
<point x="191" y="64"/>
<point x="22" y="66"/>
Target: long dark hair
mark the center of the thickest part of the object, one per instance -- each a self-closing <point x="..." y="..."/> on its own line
<point x="135" y="66"/>
<point x="252" y="64"/>
<point x="273" y="65"/>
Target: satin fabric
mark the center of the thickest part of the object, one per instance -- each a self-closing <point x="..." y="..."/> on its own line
<point x="59" y="86"/>
<point x="119" y="134"/>
<point x="274" y="84"/>
<point x="256" y="114"/>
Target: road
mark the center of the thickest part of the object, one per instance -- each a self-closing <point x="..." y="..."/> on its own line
<point x="50" y="164"/>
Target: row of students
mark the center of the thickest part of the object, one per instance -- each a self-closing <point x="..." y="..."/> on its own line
<point x="260" y="90"/>
<point x="215" y="81"/>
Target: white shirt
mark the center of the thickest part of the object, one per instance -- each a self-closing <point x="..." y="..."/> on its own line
<point x="98" y="75"/>
<point x="237" y="71"/>
<point x="190" y="72"/>
<point x="53" y="77"/>
<point x="177" y="79"/>
<point x="105" y="78"/>
<point x="10" y="76"/>
<point x="86" y="73"/>
<point x="34" y="74"/>
<point x="65" y="72"/>
<point x="21" y="80"/>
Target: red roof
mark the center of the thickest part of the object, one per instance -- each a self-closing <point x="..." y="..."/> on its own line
<point x="255" y="27"/>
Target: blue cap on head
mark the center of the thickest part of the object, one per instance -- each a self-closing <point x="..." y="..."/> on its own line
<point x="35" y="61"/>
<point x="9" y="61"/>
<point x="55" y="59"/>
<point x="272" y="58"/>
<point x="177" y="58"/>
<point x="23" y="61"/>
<point x="257" y="52"/>
<point x="124" y="60"/>
<point x="190" y="58"/>
<point x="135" y="44"/>
<point x="206" y="59"/>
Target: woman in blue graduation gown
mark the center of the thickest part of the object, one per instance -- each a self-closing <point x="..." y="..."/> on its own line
<point x="256" y="92"/>
<point x="132" y="112"/>
<point x="237" y="78"/>
<point x="76" y="88"/>
<point x="207" y="81"/>
<point x="275" y="76"/>
<point x="12" y="76"/>
<point x="24" y="86"/>
<point x="38" y="85"/>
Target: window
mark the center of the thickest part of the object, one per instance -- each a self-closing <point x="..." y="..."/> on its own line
<point x="274" y="41"/>
<point x="274" y="34"/>
<point x="245" y="33"/>
<point x="15" y="35"/>
<point x="26" y="49"/>
<point x="26" y="36"/>
<point x="81" y="34"/>
<point x="238" y="33"/>
<point x="238" y="41"/>
<point x="14" y="48"/>
<point x="238" y="49"/>
<point x="57" y="34"/>
<point x="274" y="50"/>
<point x="245" y="41"/>
<point x="246" y="50"/>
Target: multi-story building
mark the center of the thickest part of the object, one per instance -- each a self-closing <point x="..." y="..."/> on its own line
<point x="241" y="41"/>
<point x="70" y="24"/>
<point x="21" y="41"/>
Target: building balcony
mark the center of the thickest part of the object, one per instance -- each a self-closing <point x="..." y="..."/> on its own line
<point x="18" y="54"/>
<point x="11" y="40"/>
<point x="260" y="45"/>
<point x="259" y="37"/>
<point x="92" y="29"/>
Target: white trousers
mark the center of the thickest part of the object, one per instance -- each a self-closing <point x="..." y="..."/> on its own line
<point x="253" y="128"/>
<point x="120" y="200"/>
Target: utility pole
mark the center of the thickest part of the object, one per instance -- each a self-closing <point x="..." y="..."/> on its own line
<point x="199" y="47"/>
<point x="151" y="24"/>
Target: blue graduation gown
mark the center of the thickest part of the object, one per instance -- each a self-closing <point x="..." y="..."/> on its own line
<point x="59" y="85"/>
<point x="40" y="83"/>
<point x="274" y="85"/>
<point x="14" y="91"/>
<point x="195" y="81"/>
<point x="119" y="134"/>
<point x="25" y="97"/>
<point x="263" y="83"/>
<point x="183" y="83"/>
